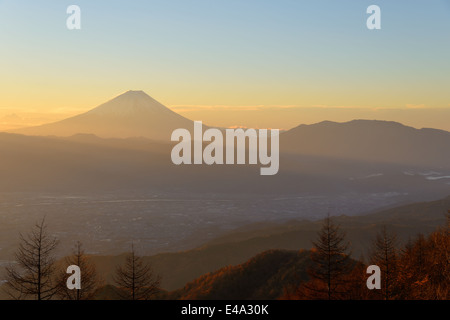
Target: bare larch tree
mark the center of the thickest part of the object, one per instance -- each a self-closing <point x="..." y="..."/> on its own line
<point x="135" y="279"/>
<point x="331" y="262"/>
<point x="33" y="273"/>
<point x="90" y="280"/>
<point x="384" y="254"/>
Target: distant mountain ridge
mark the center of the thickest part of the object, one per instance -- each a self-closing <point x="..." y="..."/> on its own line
<point x="371" y="141"/>
<point x="136" y="114"/>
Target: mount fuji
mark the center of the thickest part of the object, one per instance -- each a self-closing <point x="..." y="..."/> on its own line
<point x="131" y="114"/>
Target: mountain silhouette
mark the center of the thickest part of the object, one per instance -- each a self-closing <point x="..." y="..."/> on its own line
<point x="131" y="114"/>
<point x="136" y="114"/>
<point x="370" y="141"/>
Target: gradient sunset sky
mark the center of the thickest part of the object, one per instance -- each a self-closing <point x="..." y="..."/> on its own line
<point x="249" y="63"/>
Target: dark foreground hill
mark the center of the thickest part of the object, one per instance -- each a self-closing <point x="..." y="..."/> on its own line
<point x="262" y="277"/>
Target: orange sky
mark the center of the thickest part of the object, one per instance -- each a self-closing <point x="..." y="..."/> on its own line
<point x="257" y="116"/>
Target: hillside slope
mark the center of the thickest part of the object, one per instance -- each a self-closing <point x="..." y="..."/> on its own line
<point x="262" y="277"/>
<point x="240" y="245"/>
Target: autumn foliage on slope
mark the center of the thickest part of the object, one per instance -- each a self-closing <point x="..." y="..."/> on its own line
<point x="418" y="270"/>
<point x="262" y="277"/>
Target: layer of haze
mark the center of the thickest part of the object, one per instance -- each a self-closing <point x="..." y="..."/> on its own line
<point x="229" y="63"/>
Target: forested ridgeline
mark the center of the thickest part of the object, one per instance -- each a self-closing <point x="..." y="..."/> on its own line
<point x="419" y="269"/>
